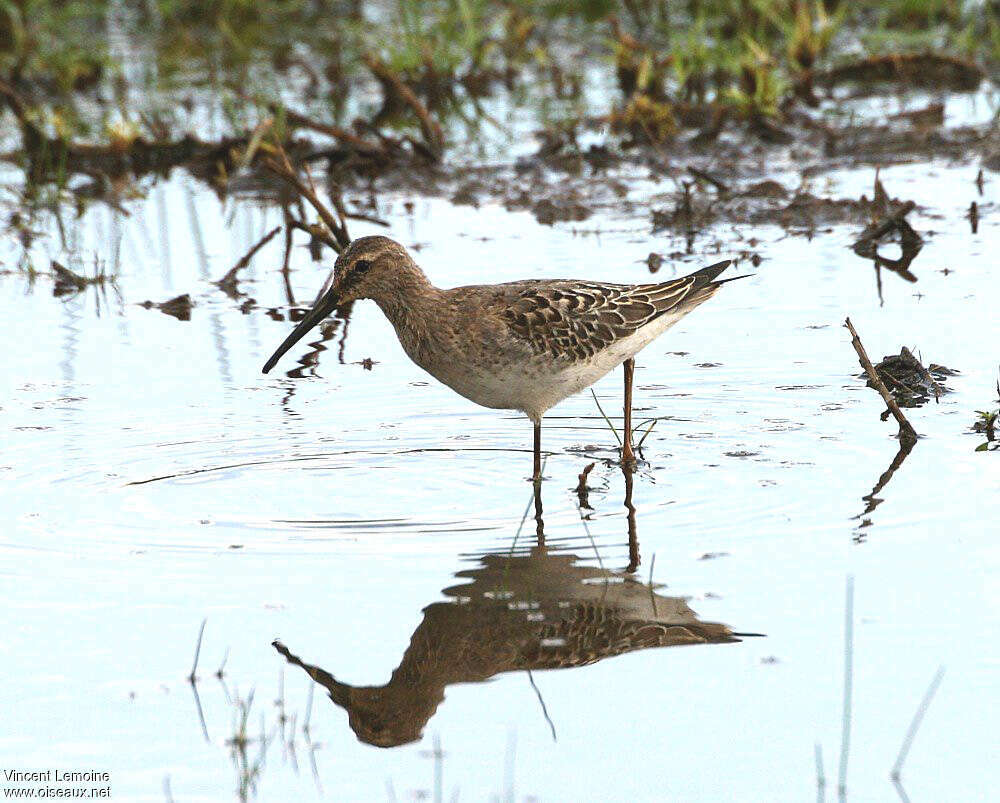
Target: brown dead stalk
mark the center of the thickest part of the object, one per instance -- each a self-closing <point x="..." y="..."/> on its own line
<point x="431" y="130"/>
<point x="907" y="435"/>
<point x="582" y="489"/>
<point x="915" y="69"/>
<point x="363" y="147"/>
<point x="316" y="231"/>
<point x="339" y="239"/>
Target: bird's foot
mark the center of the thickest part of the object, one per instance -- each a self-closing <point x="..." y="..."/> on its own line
<point x="628" y="460"/>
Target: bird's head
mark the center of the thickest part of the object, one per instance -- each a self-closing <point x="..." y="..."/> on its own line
<point x="367" y="268"/>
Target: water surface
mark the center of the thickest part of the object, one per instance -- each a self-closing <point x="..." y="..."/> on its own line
<point x="355" y="510"/>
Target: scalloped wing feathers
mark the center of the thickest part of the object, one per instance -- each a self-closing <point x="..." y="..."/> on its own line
<point x="575" y="320"/>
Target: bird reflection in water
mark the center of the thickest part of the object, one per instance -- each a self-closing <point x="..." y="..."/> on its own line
<point x="522" y="609"/>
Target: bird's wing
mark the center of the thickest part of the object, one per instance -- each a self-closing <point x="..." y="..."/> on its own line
<point x="574" y="320"/>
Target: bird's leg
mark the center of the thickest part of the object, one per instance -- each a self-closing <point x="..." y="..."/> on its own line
<point x="628" y="456"/>
<point x="539" y="524"/>
<point x="633" y="537"/>
<point x="536" y="475"/>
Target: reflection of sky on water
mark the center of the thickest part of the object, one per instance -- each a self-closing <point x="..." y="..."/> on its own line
<point x="352" y="496"/>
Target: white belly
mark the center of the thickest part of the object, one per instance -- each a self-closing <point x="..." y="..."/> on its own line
<point x="539" y="383"/>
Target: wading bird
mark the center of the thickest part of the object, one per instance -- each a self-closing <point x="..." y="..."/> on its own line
<point x="523" y="345"/>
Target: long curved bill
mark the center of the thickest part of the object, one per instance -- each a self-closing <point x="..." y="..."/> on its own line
<point x="326" y="302"/>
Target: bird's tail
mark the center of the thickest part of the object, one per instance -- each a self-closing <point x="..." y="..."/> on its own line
<point x="706" y="283"/>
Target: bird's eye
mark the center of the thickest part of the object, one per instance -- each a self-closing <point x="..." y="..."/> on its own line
<point x="362" y="265"/>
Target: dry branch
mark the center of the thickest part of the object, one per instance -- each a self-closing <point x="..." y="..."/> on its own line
<point x="338" y="228"/>
<point x="362" y="146"/>
<point x="916" y="69"/>
<point x="582" y="490"/>
<point x="316" y="231"/>
<point x="704" y="175"/>
<point x="433" y="136"/>
<point x="906" y="432"/>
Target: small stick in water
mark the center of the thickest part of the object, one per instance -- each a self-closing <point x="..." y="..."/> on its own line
<point x="193" y="677"/>
<point x="228" y="282"/>
<point x="918" y="717"/>
<point x="582" y="491"/>
<point x="906" y="432"/>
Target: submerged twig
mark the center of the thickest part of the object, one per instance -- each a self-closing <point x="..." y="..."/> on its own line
<point x="228" y="282"/>
<point x="906" y="432"/>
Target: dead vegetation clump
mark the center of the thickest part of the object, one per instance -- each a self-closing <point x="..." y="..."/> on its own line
<point x="924" y="70"/>
<point x="178" y="307"/>
<point x="986" y="424"/>
<point x="909" y="381"/>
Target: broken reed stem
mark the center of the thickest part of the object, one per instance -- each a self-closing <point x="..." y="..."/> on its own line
<point x="309" y="709"/>
<point x="256" y="138"/>
<point x="643" y="439"/>
<point x="929" y="378"/>
<point x="367" y="218"/>
<point x="918" y="717"/>
<point x="820" y="776"/>
<point x="193" y="677"/>
<point x="906" y="432"/>
<point x="316" y="231"/>
<point x="704" y="175"/>
<point x="220" y="673"/>
<point x="606" y="419"/>
<point x="433" y="136"/>
<point x="337" y="228"/>
<point x="360" y="145"/>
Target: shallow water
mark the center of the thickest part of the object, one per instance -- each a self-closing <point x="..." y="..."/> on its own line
<point x="154" y="478"/>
